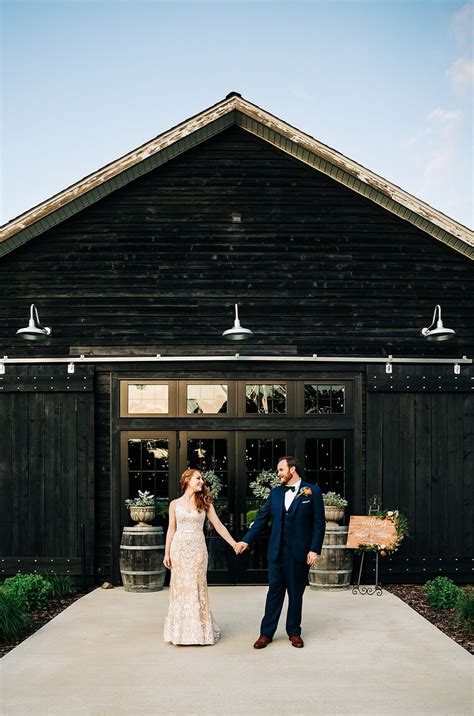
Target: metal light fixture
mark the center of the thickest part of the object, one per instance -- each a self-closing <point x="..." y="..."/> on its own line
<point x="437" y="332"/>
<point x="237" y="333"/>
<point x="34" y="331"/>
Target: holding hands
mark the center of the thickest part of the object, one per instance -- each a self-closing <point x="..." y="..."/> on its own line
<point x="240" y="547"/>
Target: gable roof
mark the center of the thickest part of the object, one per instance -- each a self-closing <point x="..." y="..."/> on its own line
<point x="235" y="110"/>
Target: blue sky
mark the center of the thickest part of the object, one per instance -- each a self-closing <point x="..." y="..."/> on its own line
<point x="386" y="82"/>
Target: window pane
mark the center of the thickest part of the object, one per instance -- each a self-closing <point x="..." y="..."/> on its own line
<point x="148" y="398"/>
<point x="210" y="454"/>
<point x="206" y="399"/>
<point x="325" y="463"/>
<point x="269" y="399"/>
<point x="148" y="467"/>
<point x="337" y="399"/>
<point x="323" y="399"/>
<point x="260" y="454"/>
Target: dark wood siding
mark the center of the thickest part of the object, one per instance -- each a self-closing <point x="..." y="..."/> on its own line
<point x="157" y="266"/>
<point x="314" y="265"/>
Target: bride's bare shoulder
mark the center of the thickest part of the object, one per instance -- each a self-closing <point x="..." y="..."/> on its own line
<point x="173" y="503"/>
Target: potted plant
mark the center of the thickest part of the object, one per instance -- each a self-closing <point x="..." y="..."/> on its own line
<point x="334" y="506"/>
<point x="142" y="508"/>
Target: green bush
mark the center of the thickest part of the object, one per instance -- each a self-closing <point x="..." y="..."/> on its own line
<point x="12" y="617"/>
<point x="62" y="585"/>
<point x="465" y="607"/>
<point x="442" y="593"/>
<point x="32" y="591"/>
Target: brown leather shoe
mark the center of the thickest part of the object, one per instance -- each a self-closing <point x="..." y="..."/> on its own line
<point x="262" y="642"/>
<point x="297" y="641"/>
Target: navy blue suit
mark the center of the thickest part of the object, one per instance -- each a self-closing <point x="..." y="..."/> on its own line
<point x="294" y="533"/>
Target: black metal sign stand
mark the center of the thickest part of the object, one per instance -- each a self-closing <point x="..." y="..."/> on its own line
<point x="357" y="588"/>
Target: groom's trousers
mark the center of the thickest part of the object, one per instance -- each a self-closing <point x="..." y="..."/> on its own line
<point x="284" y="575"/>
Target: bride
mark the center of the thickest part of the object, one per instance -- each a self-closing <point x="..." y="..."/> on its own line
<point x="190" y="619"/>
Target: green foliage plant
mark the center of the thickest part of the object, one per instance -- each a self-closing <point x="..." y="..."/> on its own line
<point x="465" y="608"/>
<point x="144" y="499"/>
<point x="213" y="483"/>
<point x="12" y="617"/>
<point x="162" y="506"/>
<point x="32" y="591"/>
<point x="264" y="483"/>
<point x="62" y="585"/>
<point x="332" y="499"/>
<point x="442" y="593"/>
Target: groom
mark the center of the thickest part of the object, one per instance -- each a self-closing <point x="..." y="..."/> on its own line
<point x="297" y="513"/>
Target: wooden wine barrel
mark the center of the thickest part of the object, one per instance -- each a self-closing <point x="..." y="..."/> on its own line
<point x="141" y="559"/>
<point x="334" y="567"/>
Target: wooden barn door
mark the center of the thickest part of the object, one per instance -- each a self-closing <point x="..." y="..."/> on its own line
<point x="47" y="470"/>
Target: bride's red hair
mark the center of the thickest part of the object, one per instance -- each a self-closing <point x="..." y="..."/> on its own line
<point x="202" y="499"/>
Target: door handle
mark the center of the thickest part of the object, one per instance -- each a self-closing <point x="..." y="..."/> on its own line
<point x="231" y="521"/>
<point x="242" y="521"/>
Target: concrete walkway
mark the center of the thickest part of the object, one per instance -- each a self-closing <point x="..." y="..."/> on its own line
<point x="104" y="655"/>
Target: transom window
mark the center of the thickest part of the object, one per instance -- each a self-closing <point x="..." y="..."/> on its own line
<point x="145" y="398"/>
<point x="206" y="399"/>
<point x="267" y="398"/>
<point x="323" y="398"/>
<point x="228" y="399"/>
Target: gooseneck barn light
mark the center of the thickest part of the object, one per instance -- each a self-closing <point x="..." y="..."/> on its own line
<point x="34" y="331"/>
<point x="437" y="332"/>
<point x="237" y="333"/>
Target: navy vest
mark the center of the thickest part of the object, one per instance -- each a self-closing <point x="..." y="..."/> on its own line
<point x="285" y="536"/>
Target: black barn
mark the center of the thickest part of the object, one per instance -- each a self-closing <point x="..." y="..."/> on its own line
<point x="137" y="269"/>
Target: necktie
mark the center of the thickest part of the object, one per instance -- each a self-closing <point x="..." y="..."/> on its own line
<point x="291" y="488"/>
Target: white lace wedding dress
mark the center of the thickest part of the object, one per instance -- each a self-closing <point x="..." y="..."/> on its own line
<point x="189" y="619"/>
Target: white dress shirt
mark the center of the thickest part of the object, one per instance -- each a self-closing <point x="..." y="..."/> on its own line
<point x="290" y="496"/>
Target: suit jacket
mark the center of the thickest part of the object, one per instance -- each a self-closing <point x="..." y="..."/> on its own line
<point x="305" y="522"/>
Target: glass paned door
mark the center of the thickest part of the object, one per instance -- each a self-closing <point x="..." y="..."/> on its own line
<point x="327" y="460"/>
<point x="213" y="454"/>
<point x="148" y="462"/>
<point x="259" y="454"/>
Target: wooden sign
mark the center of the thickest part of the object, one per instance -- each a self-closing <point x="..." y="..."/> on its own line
<point x="370" y="530"/>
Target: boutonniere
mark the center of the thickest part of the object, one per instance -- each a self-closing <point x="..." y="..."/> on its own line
<point x="306" y="491"/>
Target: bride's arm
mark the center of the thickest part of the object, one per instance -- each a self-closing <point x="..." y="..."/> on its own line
<point x="169" y="535"/>
<point x="219" y="527"/>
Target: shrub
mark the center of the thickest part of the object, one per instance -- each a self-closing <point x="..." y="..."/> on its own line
<point x="62" y="585"/>
<point x="12" y="617"/>
<point x="32" y="591"/>
<point x="442" y="593"/>
<point x="465" y="607"/>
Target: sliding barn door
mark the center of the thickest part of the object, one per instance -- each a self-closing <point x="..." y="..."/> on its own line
<point x="47" y="470"/>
